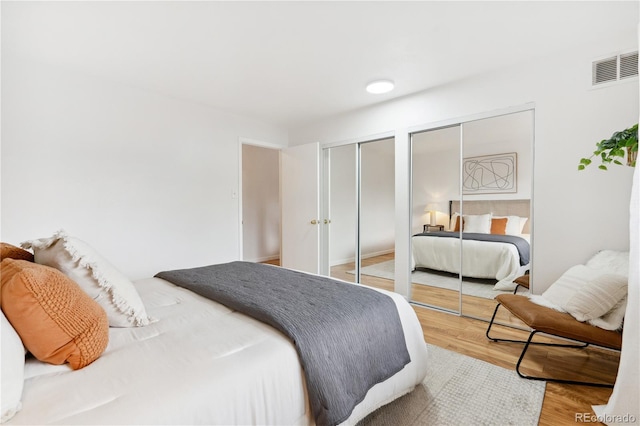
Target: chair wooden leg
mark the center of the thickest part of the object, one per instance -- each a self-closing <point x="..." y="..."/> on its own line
<point x="550" y="379"/>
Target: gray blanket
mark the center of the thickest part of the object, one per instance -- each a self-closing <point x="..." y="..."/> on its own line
<point x="521" y="244"/>
<point x="348" y="337"/>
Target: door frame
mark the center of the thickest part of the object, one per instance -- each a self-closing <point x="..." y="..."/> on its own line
<point x="325" y="241"/>
<point x="262" y="144"/>
<point x="529" y="106"/>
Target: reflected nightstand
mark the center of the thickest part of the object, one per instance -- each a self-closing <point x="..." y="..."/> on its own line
<point x="429" y="228"/>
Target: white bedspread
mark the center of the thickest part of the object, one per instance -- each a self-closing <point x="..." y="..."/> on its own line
<point x="199" y="364"/>
<point x="480" y="259"/>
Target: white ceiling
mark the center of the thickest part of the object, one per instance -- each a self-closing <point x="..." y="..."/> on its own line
<point x="295" y="62"/>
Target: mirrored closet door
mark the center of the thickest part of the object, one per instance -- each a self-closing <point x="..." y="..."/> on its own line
<point x="435" y="175"/>
<point x="471" y="212"/>
<point x="497" y="175"/>
<point x="359" y="204"/>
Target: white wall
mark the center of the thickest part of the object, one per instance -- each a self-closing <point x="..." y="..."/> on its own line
<point x="575" y="213"/>
<point x="146" y="179"/>
<point x="435" y="173"/>
<point x="260" y="203"/>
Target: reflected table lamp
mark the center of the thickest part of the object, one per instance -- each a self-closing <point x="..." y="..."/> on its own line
<point x="432" y="209"/>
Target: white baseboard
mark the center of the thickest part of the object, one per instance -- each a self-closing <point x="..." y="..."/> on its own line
<point x="263" y="259"/>
<point x="364" y="256"/>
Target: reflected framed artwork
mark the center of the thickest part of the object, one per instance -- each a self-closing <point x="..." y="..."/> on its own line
<point x="490" y="174"/>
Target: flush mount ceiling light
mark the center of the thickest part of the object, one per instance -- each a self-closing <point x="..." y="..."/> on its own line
<point x="380" y="86"/>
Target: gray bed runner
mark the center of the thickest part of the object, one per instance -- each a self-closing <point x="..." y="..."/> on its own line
<point x="348" y="337"/>
<point x="521" y="244"/>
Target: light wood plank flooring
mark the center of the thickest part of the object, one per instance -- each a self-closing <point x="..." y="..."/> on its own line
<point x="467" y="336"/>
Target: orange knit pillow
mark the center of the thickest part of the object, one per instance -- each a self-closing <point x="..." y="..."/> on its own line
<point x="56" y="320"/>
<point x="13" y="252"/>
<point x="499" y="226"/>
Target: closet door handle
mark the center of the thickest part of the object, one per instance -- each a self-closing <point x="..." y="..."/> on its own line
<point x="327" y="221"/>
<point x="315" y="222"/>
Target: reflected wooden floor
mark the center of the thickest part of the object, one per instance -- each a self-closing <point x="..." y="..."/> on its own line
<point x="562" y="403"/>
<point x="475" y="307"/>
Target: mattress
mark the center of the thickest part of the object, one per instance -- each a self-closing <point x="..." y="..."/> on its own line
<point x="480" y="259"/>
<point x="200" y="363"/>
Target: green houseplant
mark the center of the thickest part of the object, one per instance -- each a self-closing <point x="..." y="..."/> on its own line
<point x="612" y="150"/>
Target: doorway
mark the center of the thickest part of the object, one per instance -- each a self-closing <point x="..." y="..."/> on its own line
<point x="260" y="204"/>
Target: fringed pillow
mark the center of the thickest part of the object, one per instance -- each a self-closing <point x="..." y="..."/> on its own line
<point x="97" y="277"/>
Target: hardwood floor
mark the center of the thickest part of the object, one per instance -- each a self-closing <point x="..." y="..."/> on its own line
<point x="562" y="403"/>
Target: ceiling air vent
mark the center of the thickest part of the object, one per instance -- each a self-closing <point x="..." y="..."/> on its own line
<point x="615" y="68"/>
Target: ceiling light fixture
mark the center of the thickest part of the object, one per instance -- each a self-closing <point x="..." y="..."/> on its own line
<point x="380" y="86"/>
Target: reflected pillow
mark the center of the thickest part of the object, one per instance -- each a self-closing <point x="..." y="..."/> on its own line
<point x="499" y="226"/>
<point x="515" y="224"/>
<point x="454" y="224"/>
<point x="477" y="223"/>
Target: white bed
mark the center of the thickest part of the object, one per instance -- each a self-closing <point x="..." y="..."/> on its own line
<point x="480" y="259"/>
<point x="200" y="363"/>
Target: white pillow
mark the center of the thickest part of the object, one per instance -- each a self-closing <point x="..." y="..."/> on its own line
<point x="12" y="371"/>
<point x="479" y="223"/>
<point x="97" y="277"/>
<point x="614" y="262"/>
<point x="613" y="319"/>
<point x="597" y="297"/>
<point x="585" y="293"/>
<point x="452" y="222"/>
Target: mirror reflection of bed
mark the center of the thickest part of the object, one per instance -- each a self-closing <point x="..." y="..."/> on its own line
<point x="437" y="157"/>
<point x="493" y="254"/>
<point x="441" y="158"/>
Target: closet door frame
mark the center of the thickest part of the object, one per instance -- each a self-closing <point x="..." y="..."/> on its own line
<point x="403" y="287"/>
<point x="326" y="187"/>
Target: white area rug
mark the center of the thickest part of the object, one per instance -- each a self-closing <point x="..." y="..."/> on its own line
<point x="470" y="286"/>
<point x="460" y="390"/>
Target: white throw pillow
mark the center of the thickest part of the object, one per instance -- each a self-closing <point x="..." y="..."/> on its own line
<point x="614" y="262"/>
<point x="97" y="277"/>
<point x="12" y="371"/>
<point x="478" y="223"/>
<point x="585" y="293"/>
<point x="597" y="297"/>
<point x="613" y="319"/>
<point x="452" y="222"/>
